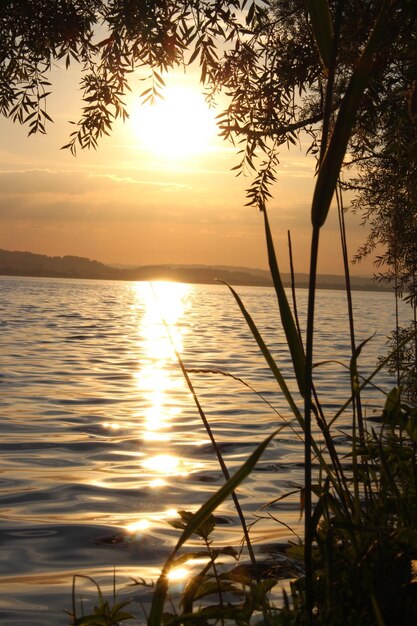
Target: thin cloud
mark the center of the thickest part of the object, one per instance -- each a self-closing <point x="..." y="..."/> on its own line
<point x="134" y="181"/>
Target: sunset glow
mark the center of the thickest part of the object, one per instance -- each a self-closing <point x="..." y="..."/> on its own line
<point x="159" y="190"/>
<point x="180" y="125"/>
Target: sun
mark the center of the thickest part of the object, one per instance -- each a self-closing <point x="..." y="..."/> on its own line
<point x="179" y="126"/>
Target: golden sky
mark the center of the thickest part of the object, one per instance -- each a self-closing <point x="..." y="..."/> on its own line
<point x="159" y="190"/>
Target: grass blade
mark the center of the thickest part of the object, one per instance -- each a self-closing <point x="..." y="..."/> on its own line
<point x="294" y="299"/>
<point x="246" y="384"/>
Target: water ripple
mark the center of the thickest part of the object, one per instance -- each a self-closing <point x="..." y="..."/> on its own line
<point x="101" y="436"/>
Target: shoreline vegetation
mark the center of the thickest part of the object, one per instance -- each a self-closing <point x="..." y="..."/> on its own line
<point x="14" y="263"/>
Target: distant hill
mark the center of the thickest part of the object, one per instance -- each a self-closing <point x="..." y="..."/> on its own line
<point x="29" y="264"/>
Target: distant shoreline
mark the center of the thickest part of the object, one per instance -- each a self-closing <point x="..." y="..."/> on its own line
<point x="200" y="282"/>
<point x="30" y="265"/>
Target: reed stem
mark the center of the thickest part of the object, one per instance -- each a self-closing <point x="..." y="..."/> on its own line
<point x="357" y="403"/>
<point x="294" y="298"/>
<point x="308" y="539"/>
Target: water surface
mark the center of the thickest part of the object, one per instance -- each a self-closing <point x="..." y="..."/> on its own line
<point x="101" y="440"/>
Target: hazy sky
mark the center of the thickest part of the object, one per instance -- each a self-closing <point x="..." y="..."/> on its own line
<point x="159" y="190"/>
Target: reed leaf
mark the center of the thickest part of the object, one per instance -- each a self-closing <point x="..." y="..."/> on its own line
<point x="321" y="24"/>
<point x="354" y="375"/>
<point x="281" y="382"/>
<point x="161" y="588"/>
<point x="330" y="168"/>
<point x="290" y="328"/>
<point x="268" y="356"/>
<point x="217" y="498"/>
<point x="367" y="380"/>
<point x="246" y="384"/>
<point x="213" y="441"/>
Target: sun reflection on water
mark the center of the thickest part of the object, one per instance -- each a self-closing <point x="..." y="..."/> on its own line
<point x="158" y="379"/>
<point x="159" y="336"/>
<point x="158" y="482"/>
<point x="178" y="574"/>
<point x="137" y="526"/>
<point x="166" y="464"/>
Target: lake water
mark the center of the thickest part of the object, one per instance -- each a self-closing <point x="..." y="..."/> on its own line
<point x="101" y="440"/>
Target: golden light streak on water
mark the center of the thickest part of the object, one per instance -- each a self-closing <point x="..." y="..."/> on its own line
<point x="161" y="389"/>
<point x="168" y="465"/>
<point x="178" y="574"/>
<point x="145" y="523"/>
<point x="159" y="332"/>
<point x="149" y="436"/>
<point x="111" y="425"/>
<point x="157" y="482"/>
<point x="141" y="524"/>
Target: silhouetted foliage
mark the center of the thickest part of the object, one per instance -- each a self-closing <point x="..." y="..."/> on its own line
<point x="263" y="55"/>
